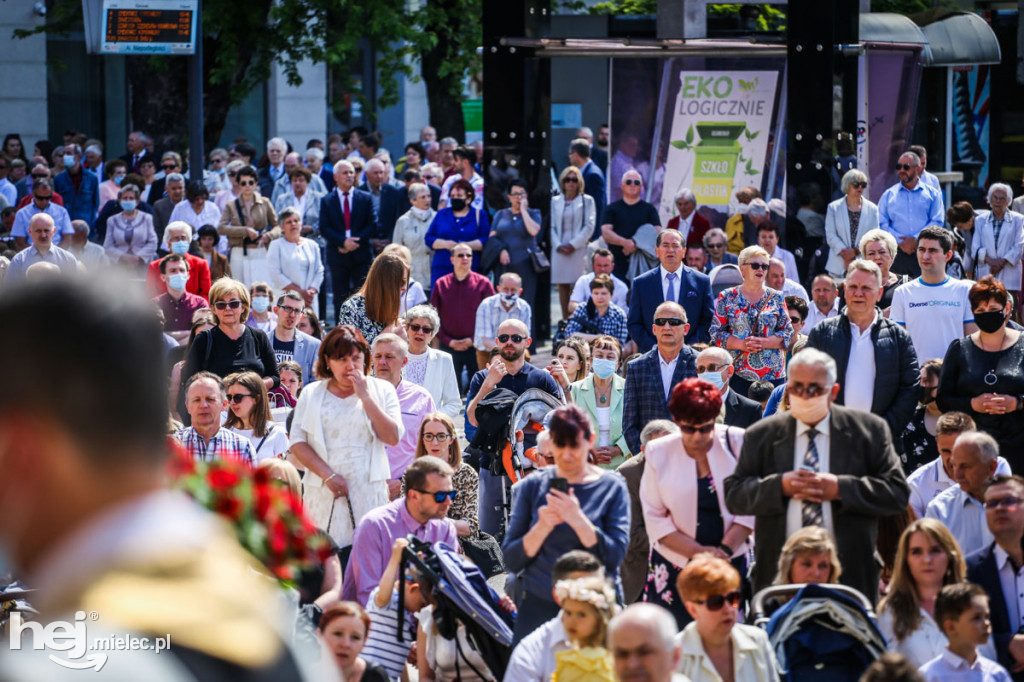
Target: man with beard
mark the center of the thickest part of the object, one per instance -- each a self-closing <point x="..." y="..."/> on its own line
<point x="511" y="371"/>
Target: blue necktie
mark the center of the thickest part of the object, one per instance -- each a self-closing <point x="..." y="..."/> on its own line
<point x="810" y="512"/>
<point x="671" y="287"/>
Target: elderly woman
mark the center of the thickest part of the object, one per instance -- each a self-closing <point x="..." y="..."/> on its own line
<point x="601" y="395"/>
<point x="682" y="495"/>
<point x="411" y="230"/>
<point x="927" y="559"/>
<point x="846" y="219"/>
<point x="571" y="505"/>
<point x="428" y="367"/>
<point x="999" y="240"/>
<point x="131" y="238"/>
<point x="293" y="262"/>
<point x="573" y="217"/>
<point x="300" y="197"/>
<point x="375" y="307"/>
<point x="457" y="222"/>
<point x="751" y="320"/>
<point x="197" y="209"/>
<point x="879" y="247"/>
<point x="715" y="645"/>
<point x="339" y="433"/>
<point x="114" y="172"/>
<point x="250" y="223"/>
<point x="599" y="316"/>
<point x="438" y="438"/>
<point x="517" y="228"/>
<point x="983" y="373"/>
<point x="919" y="445"/>
<point x="687" y="221"/>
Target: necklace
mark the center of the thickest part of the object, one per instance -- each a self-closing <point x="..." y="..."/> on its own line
<point x="603" y="398"/>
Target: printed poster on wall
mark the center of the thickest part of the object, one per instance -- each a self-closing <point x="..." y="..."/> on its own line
<point x="719" y="137"/>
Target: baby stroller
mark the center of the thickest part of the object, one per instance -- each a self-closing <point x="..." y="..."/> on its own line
<point x="460" y="594"/>
<point x="821" y="633"/>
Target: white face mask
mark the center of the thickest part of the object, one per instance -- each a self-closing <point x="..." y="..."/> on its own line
<point x="810" y="410"/>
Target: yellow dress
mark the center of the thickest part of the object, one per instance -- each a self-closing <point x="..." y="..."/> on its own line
<point x="592" y="664"/>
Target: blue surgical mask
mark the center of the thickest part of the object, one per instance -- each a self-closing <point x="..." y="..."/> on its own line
<point x="127" y="205"/>
<point x="177" y="281"/>
<point x="180" y="248"/>
<point x="603" y="367"/>
<point x="118" y="179"/>
<point x="260" y="304"/>
<point x="69" y="160"/>
<point x="714" y="378"/>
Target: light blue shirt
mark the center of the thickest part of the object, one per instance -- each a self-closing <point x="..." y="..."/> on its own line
<point x="61" y="221"/>
<point x="964" y="516"/>
<point x="905" y="212"/>
<point x="56" y="255"/>
<point x="949" y="668"/>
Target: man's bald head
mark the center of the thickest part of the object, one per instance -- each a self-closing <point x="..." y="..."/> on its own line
<point x="41" y="270"/>
<point x="41" y="229"/>
<point x="642" y="643"/>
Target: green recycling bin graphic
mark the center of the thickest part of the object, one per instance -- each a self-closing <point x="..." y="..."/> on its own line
<point x="715" y="158"/>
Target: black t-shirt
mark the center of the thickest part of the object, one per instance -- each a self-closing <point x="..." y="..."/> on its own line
<point x="625" y="220"/>
<point x="283" y="350"/>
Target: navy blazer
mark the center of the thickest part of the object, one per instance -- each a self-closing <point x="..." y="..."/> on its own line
<point x="645" y="393"/>
<point x="982" y="570"/>
<point x="332" y="227"/>
<point x="741" y="411"/>
<point x="594" y="185"/>
<point x="387" y="215"/>
<point x="694" y="294"/>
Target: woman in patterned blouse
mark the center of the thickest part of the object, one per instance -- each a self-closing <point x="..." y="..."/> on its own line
<point x="751" y="320"/>
<point x="438" y="438"/>
<point x="375" y="307"/>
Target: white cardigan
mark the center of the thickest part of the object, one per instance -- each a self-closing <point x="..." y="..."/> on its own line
<point x="1011" y="243"/>
<point x="441" y="383"/>
<point x="837" y="231"/>
<point x="752" y="656"/>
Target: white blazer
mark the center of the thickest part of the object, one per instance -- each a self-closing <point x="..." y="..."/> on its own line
<point x="837" y="231"/>
<point x="752" y="656"/>
<point x="1011" y="243"/>
<point x="582" y="231"/>
<point x="441" y="383"/>
<point x="668" y="488"/>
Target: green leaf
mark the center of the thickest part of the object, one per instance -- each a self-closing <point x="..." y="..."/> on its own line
<point x="679" y="144"/>
<point x="754" y="134"/>
<point x="689" y="135"/>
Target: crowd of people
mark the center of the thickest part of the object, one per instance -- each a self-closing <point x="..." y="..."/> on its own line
<point x="710" y="429"/>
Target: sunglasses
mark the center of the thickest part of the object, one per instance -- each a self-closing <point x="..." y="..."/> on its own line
<point x="571" y="178"/>
<point x="516" y="338"/>
<point x="904" y="166"/>
<point x="439" y="437"/>
<point x="710" y="368"/>
<point x="236" y="398"/>
<point x="716" y="246"/>
<point x="168" y="168"/>
<point x="690" y="430"/>
<point x="440" y="495"/>
<point x="859" y="185"/>
<point x="426" y="329"/>
<point x="670" y="321"/>
<point x="757" y="266"/>
<point x="1007" y="502"/>
<point x="41" y="198"/>
<point x="716" y="601"/>
<point x="223" y="305"/>
<point x="809" y="391"/>
<point x="44" y="176"/>
<point x="462" y="255"/>
<point x="632" y="182"/>
<point x="795" y="320"/>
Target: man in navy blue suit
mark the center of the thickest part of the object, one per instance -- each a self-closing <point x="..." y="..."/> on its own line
<point x="593" y="178"/>
<point x="386" y="199"/>
<point x="670" y="281"/>
<point x="347" y="222"/>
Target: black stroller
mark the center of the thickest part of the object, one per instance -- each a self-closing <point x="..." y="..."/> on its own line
<point x="460" y="594"/>
<point x="823" y="632"/>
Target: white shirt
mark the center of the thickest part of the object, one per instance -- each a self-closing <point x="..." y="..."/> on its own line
<point x="930" y="480"/>
<point x="964" y="516"/>
<point x="667" y="370"/>
<point x="581" y="291"/>
<point x="478" y="189"/>
<point x="533" y="659"/>
<point x="788" y="259"/>
<point x="91" y="256"/>
<point x="794" y="517"/>
<point x="685" y="225"/>
<point x="951" y="668"/>
<point x="183" y="211"/>
<point x="267" y="447"/>
<point x="791" y="288"/>
<point x="934" y="314"/>
<point x="860" y="371"/>
<point x="675" y="283"/>
<point x="1012" y="583"/>
<point x="921" y="645"/>
<point x="814" y="316"/>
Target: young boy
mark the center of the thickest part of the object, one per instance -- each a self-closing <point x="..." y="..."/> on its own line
<point x="382" y="645"/>
<point x="961" y="610"/>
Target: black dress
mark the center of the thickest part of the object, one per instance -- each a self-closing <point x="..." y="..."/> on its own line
<point x="969" y="371"/>
<point x="919" y="446"/>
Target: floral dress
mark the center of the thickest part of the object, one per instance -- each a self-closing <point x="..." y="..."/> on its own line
<point x="736" y="316"/>
<point x="353" y="312"/>
<point x="919" y="446"/>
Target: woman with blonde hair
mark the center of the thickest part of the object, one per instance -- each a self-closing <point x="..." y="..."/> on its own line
<point x="284" y="471"/>
<point x="809" y="556"/>
<point x="374" y="309"/>
<point x="439" y="439"/>
<point x="927" y="559"/>
<point x="573" y="217"/>
<point x="249" y="415"/>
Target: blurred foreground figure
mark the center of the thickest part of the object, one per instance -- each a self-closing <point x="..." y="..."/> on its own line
<point x="85" y="518"/>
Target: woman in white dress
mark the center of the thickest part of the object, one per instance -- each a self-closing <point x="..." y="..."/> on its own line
<point x="339" y="433"/>
<point x="999" y="240"/>
<point x="293" y="262"/>
<point x="411" y="229"/>
<point x="573" y="216"/>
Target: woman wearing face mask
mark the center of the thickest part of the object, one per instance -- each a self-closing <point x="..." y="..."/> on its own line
<point x="600" y="395"/>
<point x="683" y="496"/>
<point x="114" y="170"/>
<point x="919" y="445"/>
<point x="457" y="222"/>
<point x="411" y="228"/>
<point x="262" y="317"/>
<point x="517" y="228"/>
<point x="131" y="239"/>
<point x="983" y="374"/>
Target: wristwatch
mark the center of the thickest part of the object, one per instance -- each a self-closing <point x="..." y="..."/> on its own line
<point x="1020" y="402"/>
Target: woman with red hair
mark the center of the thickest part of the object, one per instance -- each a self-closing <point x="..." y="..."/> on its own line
<point x="683" y="497"/>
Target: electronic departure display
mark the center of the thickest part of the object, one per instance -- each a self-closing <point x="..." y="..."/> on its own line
<point x="149" y="26"/>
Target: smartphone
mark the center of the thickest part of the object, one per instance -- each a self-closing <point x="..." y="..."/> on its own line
<point x="560" y="484"/>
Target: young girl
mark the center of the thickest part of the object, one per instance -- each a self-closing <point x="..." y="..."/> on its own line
<point x="249" y="415"/>
<point x="587" y="606"/>
<point x="262" y="315"/>
<point x="291" y="377"/>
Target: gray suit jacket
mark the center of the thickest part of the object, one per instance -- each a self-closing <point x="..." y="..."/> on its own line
<point x="871" y="486"/>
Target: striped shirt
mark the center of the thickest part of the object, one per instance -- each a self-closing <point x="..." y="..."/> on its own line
<point x="382" y="645"/>
<point x="223" y="445"/>
<point x="492" y="313"/>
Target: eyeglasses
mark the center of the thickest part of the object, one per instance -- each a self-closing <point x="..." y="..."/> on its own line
<point x="516" y="338"/>
<point x="440" y="495"/>
<point x="571" y="178"/>
<point x="426" y="329"/>
<point x="462" y="255"/>
<point x="247" y="184"/>
<point x="239" y="397"/>
<point x="290" y="310"/>
<point x="690" y="430"/>
<point x="1008" y="502"/>
<point x="518" y="195"/>
<point x="222" y="305"/>
<point x="632" y="182"/>
<point x="670" y="321"/>
<point x="904" y="166"/>
<point x="439" y="437"/>
<point x="859" y="185"/>
<point x="716" y="601"/>
<point x="717" y="245"/>
<point x="757" y="266"/>
<point x="808" y="391"/>
<point x="710" y="368"/>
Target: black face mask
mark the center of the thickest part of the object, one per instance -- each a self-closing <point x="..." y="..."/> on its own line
<point x="458" y="204"/>
<point x="990" y="322"/>
<point x="928" y="394"/>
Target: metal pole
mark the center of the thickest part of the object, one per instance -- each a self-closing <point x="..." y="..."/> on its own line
<point x="195" y="102"/>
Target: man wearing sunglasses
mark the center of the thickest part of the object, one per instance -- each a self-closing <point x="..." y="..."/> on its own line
<point x="997" y="567"/>
<point x="621" y="220"/>
<point x="714" y="365"/>
<point x="289" y="342"/>
<point x="905" y="209"/>
<point x="422" y="512"/>
<point x="818" y="464"/>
